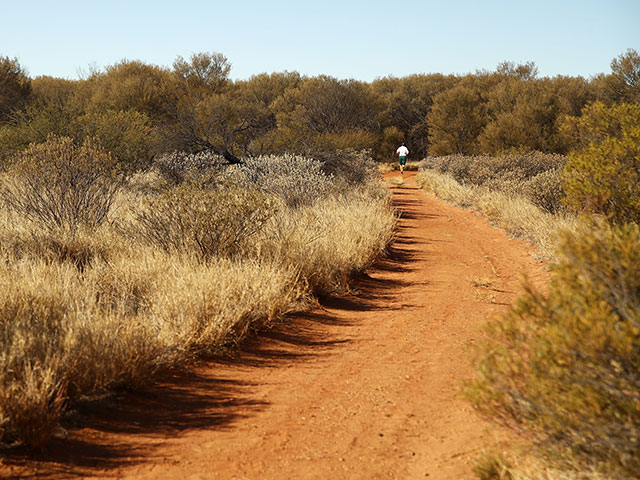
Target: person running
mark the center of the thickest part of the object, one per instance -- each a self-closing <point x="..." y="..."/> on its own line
<point x="402" y="153"/>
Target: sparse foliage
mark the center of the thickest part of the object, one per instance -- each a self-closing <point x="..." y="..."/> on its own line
<point x="62" y="186"/>
<point x="603" y="174"/>
<point x="209" y="223"/>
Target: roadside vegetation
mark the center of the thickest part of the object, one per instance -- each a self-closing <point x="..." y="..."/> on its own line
<point x="563" y="366"/>
<point x="137" y="111"/>
<point x="107" y="278"/>
<point x="522" y="193"/>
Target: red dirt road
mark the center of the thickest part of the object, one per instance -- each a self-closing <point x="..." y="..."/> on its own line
<point x="365" y="388"/>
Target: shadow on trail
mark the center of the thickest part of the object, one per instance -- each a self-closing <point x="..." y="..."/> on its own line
<point x="179" y="401"/>
<point x="209" y="396"/>
<point x="409" y="208"/>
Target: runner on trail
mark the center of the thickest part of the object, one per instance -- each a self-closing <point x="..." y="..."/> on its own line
<point x="402" y="153"/>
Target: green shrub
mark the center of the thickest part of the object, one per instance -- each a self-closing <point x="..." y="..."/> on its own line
<point x="62" y="186"/>
<point x="564" y="366"/>
<point x="603" y="175"/>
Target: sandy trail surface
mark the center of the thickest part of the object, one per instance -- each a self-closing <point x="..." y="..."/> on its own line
<point x="366" y="387"/>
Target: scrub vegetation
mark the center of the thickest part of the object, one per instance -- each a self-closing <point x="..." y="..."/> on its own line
<point x="147" y="273"/>
<point x="137" y="111"/>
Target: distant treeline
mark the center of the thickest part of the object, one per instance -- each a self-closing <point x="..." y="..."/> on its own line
<point x="137" y="110"/>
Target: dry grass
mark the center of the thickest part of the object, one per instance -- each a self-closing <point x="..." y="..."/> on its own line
<point x="385" y="167"/>
<point x="85" y="312"/>
<point x="397" y="181"/>
<point x="516" y="215"/>
<point x="143" y="310"/>
<point x="535" y="176"/>
<point x="498" y="466"/>
<point x="328" y="242"/>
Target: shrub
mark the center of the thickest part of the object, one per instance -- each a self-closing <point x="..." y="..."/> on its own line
<point x="349" y="166"/>
<point x="296" y="180"/>
<point x="177" y="167"/>
<point x="545" y="190"/>
<point x="127" y="135"/>
<point x="69" y="302"/>
<point x="206" y="222"/>
<point x="59" y="185"/>
<point x="564" y="365"/>
<point x="507" y="208"/>
<point x="603" y="175"/>
<point x="480" y="169"/>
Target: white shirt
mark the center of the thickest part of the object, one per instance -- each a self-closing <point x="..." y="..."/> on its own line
<point x="402" y="151"/>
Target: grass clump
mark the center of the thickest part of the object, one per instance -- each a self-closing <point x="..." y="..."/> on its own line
<point x="326" y="243"/>
<point x="564" y="365"/>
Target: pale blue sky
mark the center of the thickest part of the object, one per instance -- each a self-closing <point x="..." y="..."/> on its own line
<point x="344" y="38"/>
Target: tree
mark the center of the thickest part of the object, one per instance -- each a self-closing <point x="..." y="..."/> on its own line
<point x="133" y="85"/>
<point x="522" y="116"/>
<point x="262" y="91"/>
<point x="523" y="71"/>
<point x="15" y="87"/>
<point x="205" y="71"/>
<point x="127" y="135"/>
<point x="405" y="104"/>
<point x="625" y="80"/>
<point x="456" y="120"/>
<point x="208" y="114"/>
<point x="324" y="108"/>
<point x="623" y="83"/>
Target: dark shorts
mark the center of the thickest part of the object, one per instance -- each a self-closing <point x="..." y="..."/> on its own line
<point x="402" y="160"/>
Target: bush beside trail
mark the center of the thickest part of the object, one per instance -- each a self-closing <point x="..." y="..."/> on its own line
<point x="564" y="366"/>
<point x="182" y="263"/>
<point x="536" y="176"/>
<point x="530" y="208"/>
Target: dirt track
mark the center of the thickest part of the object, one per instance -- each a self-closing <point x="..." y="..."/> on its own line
<point x="365" y="388"/>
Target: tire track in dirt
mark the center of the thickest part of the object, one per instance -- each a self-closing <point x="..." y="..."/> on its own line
<point x="365" y="387"/>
